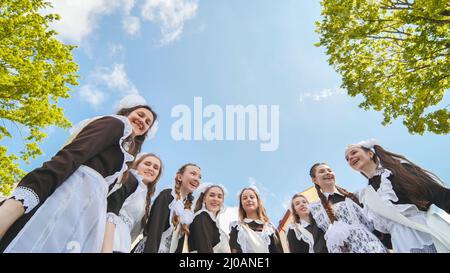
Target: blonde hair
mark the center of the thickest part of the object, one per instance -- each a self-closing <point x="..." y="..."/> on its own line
<point x="260" y="210"/>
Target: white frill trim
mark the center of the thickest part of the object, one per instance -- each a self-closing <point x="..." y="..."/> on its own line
<point x="27" y="197"/>
<point x="337" y="233"/>
<point x="127" y="131"/>
<point x="300" y="236"/>
<point x="386" y="191"/>
<point x="112" y="218"/>
<point x="265" y="234"/>
<point x="177" y="207"/>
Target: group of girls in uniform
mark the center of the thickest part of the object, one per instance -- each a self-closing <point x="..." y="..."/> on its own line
<point x="402" y="209"/>
<point x="97" y="195"/>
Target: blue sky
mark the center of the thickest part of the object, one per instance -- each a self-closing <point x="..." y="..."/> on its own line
<point x="229" y="52"/>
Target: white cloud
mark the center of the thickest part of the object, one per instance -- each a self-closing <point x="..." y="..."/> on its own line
<point x="92" y="95"/>
<point x="79" y="17"/>
<point x="115" y="78"/>
<point x="322" y="95"/>
<point x="131" y="25"/>
<point x="170" y="15"/>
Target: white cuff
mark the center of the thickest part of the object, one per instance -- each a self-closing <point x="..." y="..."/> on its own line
<point x="27" y="197"/>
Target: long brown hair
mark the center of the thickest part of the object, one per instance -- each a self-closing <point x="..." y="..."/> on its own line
<point x="151" y="187"/>
<point x="187" y="202"/>
<point x="136" y="142"/>
<point x="327" y="205"/>
<point x="294" y="213"/>
<point x="201" y="198"/>
<point x="260" y="211"/>
<point x="415" y="183"/>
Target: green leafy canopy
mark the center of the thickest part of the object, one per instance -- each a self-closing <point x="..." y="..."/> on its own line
<point x="35" y="71"/>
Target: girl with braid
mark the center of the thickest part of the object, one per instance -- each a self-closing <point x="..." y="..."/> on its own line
<point x="171" y="214"/>
<point x="129" y="206"/>
<point x="340" y="216"/>
<point x="398" y="195"/>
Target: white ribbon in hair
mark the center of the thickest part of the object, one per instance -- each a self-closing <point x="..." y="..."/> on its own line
<point x="253" y="187"/>
<point x="134" y="100"/>
<point x="368" y="144"/>
<point x="204" y="186"/>
<point x="131" y="101"/>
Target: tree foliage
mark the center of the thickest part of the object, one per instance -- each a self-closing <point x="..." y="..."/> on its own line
<point x="396" y="53"/>
<point x="35" y="69"/>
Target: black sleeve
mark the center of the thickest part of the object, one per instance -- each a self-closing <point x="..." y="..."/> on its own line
<point x="234" y="245"/>
<point x="320" y="244"/>
<point x="158" y="221"/>
<point x="296" y="246"/>
<point x="438" y="195"/>
<point x="201" y="234"/>
<point x="94" y="138"/>
<point x="116" y="199"/>
<point x="275" y="243"/>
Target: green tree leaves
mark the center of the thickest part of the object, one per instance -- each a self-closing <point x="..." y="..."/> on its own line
<point x="396" y="53"/>
<point x="35" y="69"/>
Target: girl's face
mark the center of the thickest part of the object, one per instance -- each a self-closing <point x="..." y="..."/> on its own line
<point x="190" y="179"/>
<point x="357" y="158"/>
<point x="301" y="206"/>
<point x="324" y="176"/>
<point x="249" y="201"/>
<point x="214" y="199"/>
<point x="149" y="168"/>
<point x="141" y="119"/>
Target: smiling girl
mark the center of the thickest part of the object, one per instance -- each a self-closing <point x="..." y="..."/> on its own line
<point x="406" y="192"/>
<point x="171" y="215"/>
<point x="129" y="206"/>
<point x="206" y="236"/>
<point x="253" y="233"/>
<point x="340" y="216"/>
<point x="61" y="206"/>
<point x="303" y="235"/>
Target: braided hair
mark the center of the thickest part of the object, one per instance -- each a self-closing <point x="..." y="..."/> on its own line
<point x="187" y="202"/>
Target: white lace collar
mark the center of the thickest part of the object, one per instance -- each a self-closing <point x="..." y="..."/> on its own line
<point x="304" y="223"/>
<point x="139" y="178"/>
<point x="258" y="221"/>
<point x="335" y="192"/>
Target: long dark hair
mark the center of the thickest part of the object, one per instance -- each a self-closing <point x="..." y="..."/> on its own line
<point x="414" y="182"/>
<point x="187" y="203"/>
<point x="328" y="206"/>
<point x="136" y="142"/>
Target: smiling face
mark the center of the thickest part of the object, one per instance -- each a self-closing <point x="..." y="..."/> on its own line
<point x="300" y="205"/>
<point x="214" y="198"/>
<point x="324" y="176"/>
<point x="141" y="120"/>
<point x="357" y="158"/>
<point x="249" y="201"/>
<point x="149" y="168"/>
<point x="190" y="179"/>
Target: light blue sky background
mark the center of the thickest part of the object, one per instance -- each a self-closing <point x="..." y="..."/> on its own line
<point x="228" y="52"/>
